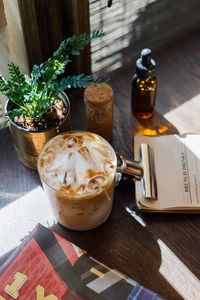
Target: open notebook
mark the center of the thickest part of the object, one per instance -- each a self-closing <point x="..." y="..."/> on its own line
<point x="177" y="171"/>
<point x="47" y="266"/>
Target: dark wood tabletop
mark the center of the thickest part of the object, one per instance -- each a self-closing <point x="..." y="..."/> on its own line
<point x="161" y="251"/>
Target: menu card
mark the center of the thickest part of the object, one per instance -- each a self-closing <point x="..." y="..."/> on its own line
<point x="177" y="171"/>
<point x="47" y="266"/>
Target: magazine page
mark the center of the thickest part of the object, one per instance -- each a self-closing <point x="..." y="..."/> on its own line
<point x="47" y="266"/>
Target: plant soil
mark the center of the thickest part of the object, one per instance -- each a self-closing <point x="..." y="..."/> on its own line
<point x="53" y="117"/>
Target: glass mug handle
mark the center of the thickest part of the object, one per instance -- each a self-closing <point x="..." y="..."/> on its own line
<point x="143" y="170"/>
<point x="127" y="170"/>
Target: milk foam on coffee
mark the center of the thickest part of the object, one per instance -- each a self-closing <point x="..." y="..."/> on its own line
<point x="77" y="163"/>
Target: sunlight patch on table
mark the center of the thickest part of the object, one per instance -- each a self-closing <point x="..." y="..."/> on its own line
<point x="178" y="275"/>
<point x="192" y="143"/>
<point x="186" y="117"/>
<point x="136" y="216"/>
<point x="30" y="209"/>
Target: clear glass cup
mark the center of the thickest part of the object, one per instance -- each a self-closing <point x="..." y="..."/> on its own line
<point x="84" y="200"/>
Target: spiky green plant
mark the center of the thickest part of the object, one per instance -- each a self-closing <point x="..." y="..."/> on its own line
<point x="34" y="95"/>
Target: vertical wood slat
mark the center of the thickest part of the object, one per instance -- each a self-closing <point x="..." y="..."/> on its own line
<point x="77" y="13"/>
<point x="50" y="27"/>
<point x="30" y="30"/>
<point x="84" y="26"/>
<point x="3" y="19"/>
<point x="47" y="23"/>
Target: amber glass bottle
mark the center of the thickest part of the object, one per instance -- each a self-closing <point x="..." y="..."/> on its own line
<point x="144" y="84"/>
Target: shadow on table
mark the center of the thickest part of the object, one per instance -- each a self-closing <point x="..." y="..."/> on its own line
<point x="178" y="237"/>
<point x="15" y="179"/>
<point x="6" y="256"/>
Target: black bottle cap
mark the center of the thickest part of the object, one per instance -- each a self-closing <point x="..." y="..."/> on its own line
<point x="145" y="65"/>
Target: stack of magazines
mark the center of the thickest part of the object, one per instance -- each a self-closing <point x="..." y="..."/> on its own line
<point x="47" y="266"/>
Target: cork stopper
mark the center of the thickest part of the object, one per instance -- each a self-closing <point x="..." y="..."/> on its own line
<point x="98" y="94"/>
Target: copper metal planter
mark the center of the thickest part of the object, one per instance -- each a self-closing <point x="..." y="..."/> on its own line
<point x="28" y="143"/>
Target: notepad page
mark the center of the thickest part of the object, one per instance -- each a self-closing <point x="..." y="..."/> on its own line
<point x="177" y="169"/>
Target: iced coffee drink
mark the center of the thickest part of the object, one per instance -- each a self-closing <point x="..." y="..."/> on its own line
<point x="77" y="170"/>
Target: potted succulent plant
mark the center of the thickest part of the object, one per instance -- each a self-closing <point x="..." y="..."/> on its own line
<point x="37" y="108"/>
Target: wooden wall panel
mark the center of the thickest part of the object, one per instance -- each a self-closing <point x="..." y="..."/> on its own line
<point x="3" y="20"/>
<point x="46" y="23"/>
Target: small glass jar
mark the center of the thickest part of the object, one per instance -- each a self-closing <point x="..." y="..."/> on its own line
<point x="99" y="109"/>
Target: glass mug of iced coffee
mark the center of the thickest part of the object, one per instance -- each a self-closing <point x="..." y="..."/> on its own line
<point x="77" y="170"/>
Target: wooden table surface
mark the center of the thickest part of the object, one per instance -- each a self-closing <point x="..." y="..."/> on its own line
<point x="161" y="251"/>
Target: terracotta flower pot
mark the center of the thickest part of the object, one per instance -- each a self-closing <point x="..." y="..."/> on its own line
<point x="28" y="143"/>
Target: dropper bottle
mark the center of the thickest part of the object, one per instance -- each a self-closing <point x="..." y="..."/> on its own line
<point x="144" y="84"/>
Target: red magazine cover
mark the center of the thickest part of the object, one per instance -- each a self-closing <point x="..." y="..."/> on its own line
<point x="48" y="267"/>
